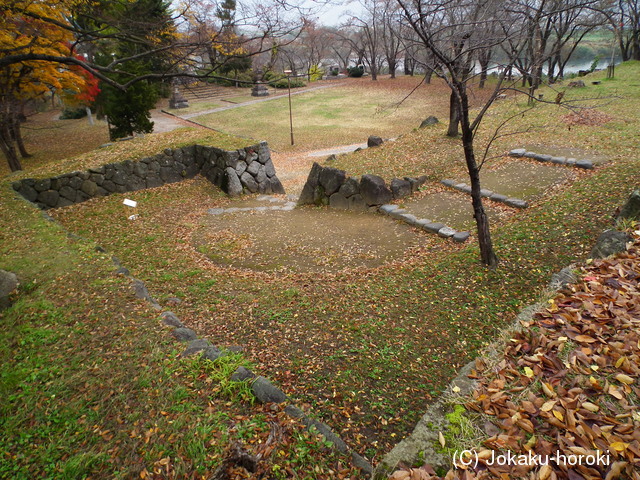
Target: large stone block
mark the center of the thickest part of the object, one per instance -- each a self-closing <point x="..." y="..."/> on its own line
<point x="42" y="185"/>
<point x="8" y="284"/>
<point x="331" y="179"/>
<point x="374" y="191"/>
<point x="169" y="175"/>
<point x="357" y="203"/>
<point x="28" y="192"/>
<point x="231" y="159"/>
<point x="119" y="177"/>
<point x="269" y="168"/>
<point x="89" y="187"/>
<point x="249" y="182"/>
<point x="231" y="184"/>
<point x="49" y="198"/>
<point x="263" y="152"/>
<point x="350" y="187"/>
<point x="339" y="201"/>
<point x="307" y="195"/>
<point x="153" y="181"/>
<point x="276" y="186"/>
<point x="400" y="188"/>
<point x="253" y="168"/>
<point x="430" y="120"/>
<point x="374" y="141"/>
<point x="261" y="176"/>
<point x="75" y="182"/>
<point x="97" y="178"/>
<point x="631" y="209"/>
<point x="135" y="183"/>
<point x="609" y="243"/>
<point x="140" y="169"/>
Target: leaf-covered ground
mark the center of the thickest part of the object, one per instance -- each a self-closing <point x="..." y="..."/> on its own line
<point x="563" y="399"/>
<point x="367" y="350"/>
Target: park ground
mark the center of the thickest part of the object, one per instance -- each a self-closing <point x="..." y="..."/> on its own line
<point x="93" y="384"/>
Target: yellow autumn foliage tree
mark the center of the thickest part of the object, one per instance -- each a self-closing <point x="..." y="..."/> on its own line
<point x="28" y="26"/>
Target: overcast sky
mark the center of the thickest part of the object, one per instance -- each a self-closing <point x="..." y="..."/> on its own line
<point x="334" y="15"/>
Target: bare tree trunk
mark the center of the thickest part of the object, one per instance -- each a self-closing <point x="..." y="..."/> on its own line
<point x="428" y="75"/>
<point x="409" y="65"/>
<point x="483" y="76"/>
<point x="485" y="58"/>
<point x="8" y="148"/>
<point x="16" y="135"/>
<point x="487" y="254"/>
<point x="454" y="116"/>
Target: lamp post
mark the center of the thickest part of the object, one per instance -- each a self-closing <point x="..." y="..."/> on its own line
<point x="288" y="74"/>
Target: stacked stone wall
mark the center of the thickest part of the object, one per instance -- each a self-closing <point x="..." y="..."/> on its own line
<point x="333" y="187"/>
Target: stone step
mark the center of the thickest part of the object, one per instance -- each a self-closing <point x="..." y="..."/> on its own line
<point x="540" y="157"/>
<point x="424" y="224"/>
<point x="496" y="197"/>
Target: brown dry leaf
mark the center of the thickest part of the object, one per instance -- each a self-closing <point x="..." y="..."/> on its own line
<point x="548" y="405"/>
<point x="400" y="475"/>
<point x="616" y="470"/>
<point x="626" y="379"/>
<point x="441" y="439"/>
<point x="544" y="473"/>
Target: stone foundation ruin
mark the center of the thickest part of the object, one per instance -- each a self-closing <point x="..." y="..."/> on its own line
<point x="247" y="170"/>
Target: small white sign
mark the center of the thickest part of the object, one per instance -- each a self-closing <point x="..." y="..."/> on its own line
<point x="130" y="203"/>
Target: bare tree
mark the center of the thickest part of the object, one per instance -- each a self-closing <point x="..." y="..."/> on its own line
<point x="454" y="32"/>
<point x="570" y="26"/>
<point x="370" y="23"/>
<point x="548" y="27"/>
<point x="624" y="18"/>
<point x="390" y="35"/>
<point x="315" y="42"/>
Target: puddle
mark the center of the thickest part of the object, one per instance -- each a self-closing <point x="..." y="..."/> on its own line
<point x="302" y="240"/>
<point x="524" y="180"/>
<point x="568" y="152"/>
<point x="452" y="209"/>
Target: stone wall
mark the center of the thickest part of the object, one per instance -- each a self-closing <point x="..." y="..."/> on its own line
<point x="330" y="186"/>
<point x="247" y="170"/>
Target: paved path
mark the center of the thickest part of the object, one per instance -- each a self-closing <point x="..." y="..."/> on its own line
<point x="163" y="122"/>
<point x="336" y="150"/>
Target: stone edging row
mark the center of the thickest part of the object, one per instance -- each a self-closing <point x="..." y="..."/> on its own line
<point x="261" y="387"/>
<point x="496" y="197"/>
<point x="425" y="224"/>
<point x="571" y="162"/>
<point x="423" y="442"/>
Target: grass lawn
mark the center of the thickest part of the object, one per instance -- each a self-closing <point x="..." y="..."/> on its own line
<point x="334" y="116"/>
<point x="366" y="349"/>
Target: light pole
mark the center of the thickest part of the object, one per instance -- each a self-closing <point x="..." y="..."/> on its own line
<point x="288" y="74"/>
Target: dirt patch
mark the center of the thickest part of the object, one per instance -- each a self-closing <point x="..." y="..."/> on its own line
<point x="302" y="240"/>
<point x="451" y="208"/>
<point x="524" y="180"/>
